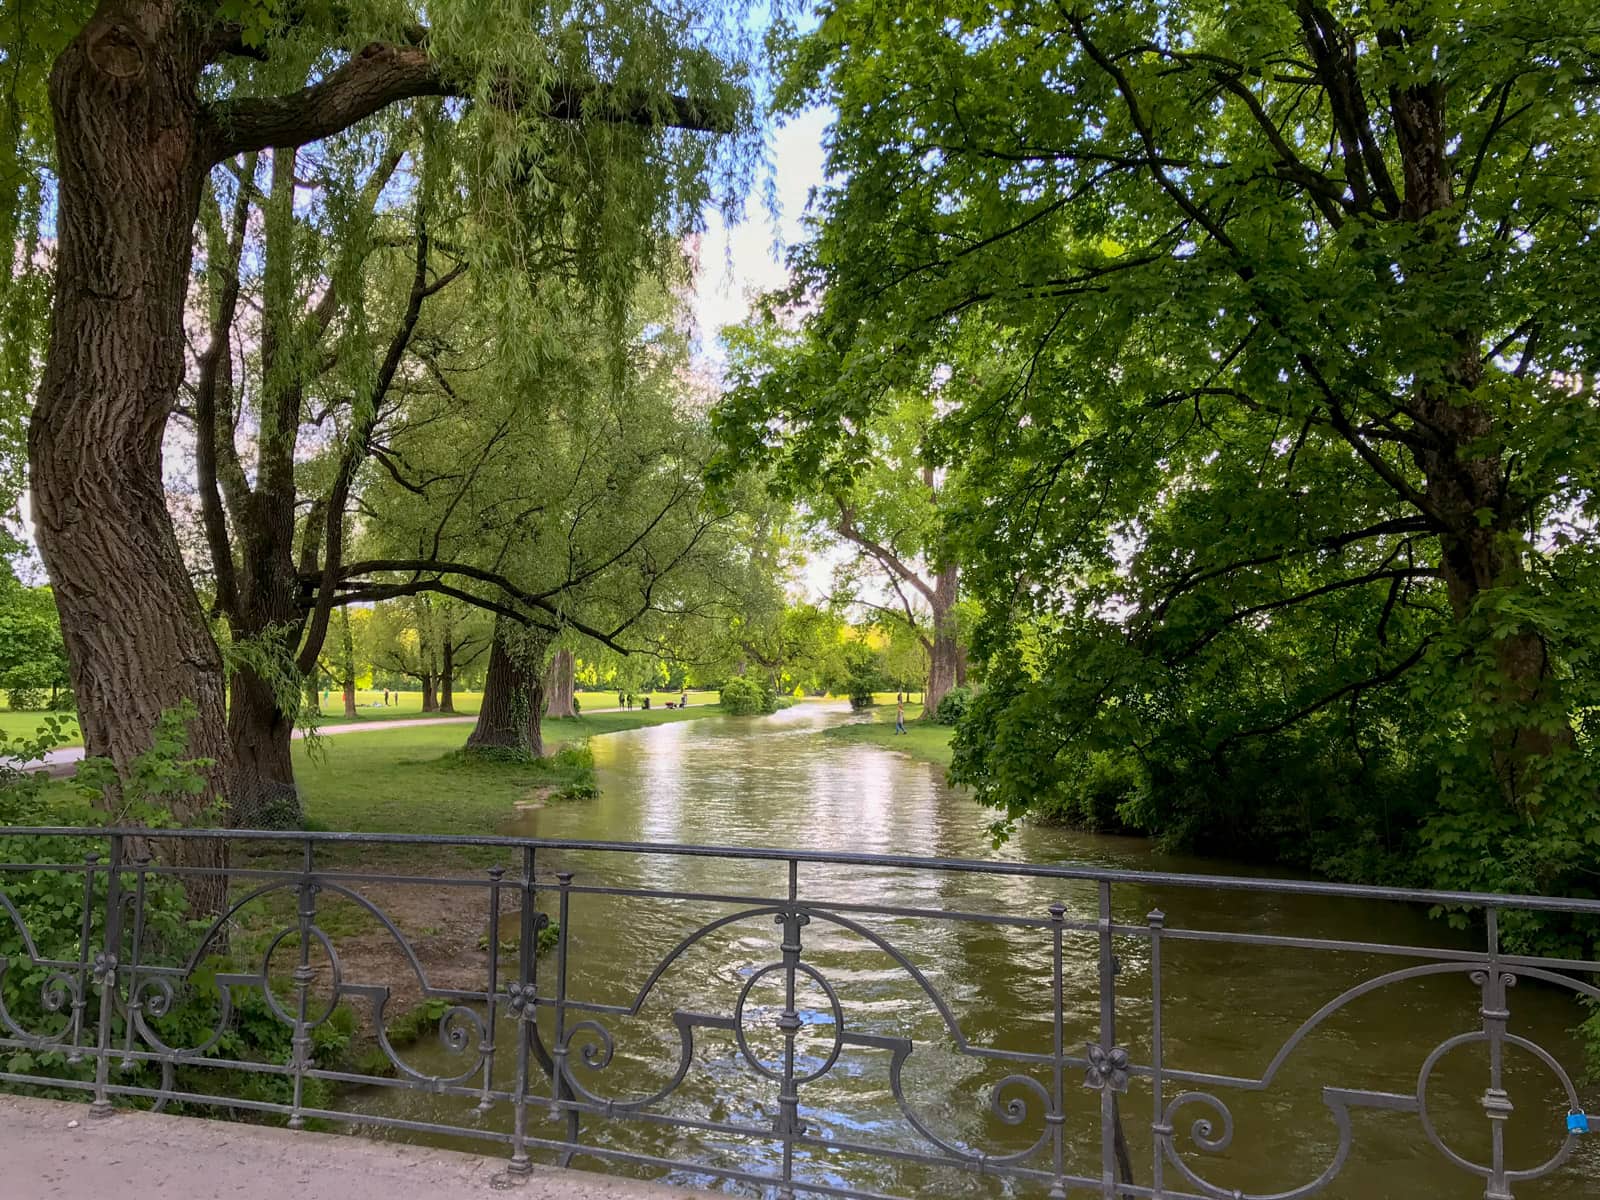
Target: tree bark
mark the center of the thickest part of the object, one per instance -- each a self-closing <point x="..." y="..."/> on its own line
<point x="1467" y="483"/>
<point x="347" y="663"/>
<point x="513" y="695"/>
<point x="945" y="665"/>
<point x="130" y="166"/>
<point x="560" y="683"/>
<point x="447" y="672"/>
<point x="430" y="698"/>
<point x="266" y="610"/>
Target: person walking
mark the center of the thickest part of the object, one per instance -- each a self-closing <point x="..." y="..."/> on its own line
<point x="683" y="698"/>
<point x="900" y="715"/>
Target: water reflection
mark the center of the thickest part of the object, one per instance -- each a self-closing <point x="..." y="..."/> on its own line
<point x="1227" y="1008"/>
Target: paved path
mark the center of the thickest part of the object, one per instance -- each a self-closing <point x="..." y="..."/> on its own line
<point x="51" y="1150"/>
<point x="61" y="762"/>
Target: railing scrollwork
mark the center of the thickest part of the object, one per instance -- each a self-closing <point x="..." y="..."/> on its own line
<point x="1092" y="1101"/>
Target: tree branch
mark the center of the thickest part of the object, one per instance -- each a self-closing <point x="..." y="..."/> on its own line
<point x="383" y="74"/>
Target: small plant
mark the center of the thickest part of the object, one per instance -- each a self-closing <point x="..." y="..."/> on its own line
<point x="953" y="706"/>
<point x="744" y="697"/>
<point x="25" y="699"/>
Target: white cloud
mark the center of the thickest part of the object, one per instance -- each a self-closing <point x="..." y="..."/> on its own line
<point x="739" y="262"/>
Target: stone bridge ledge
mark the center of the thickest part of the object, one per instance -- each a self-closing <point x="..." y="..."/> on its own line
<point x="149" y="1156"/>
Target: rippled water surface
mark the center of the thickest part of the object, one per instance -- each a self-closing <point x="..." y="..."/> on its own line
<point x="779" y="782"/>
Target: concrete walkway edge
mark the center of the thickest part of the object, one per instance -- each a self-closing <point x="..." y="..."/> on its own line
<point x="52" y="1150"/>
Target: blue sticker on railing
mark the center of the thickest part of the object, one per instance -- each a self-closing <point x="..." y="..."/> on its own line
<point x="1577" y="1122"/>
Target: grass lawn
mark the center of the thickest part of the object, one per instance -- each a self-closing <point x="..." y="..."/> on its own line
<point x="26" y="724"/>
<point x="412" y="781"/>
<point x="923" y="740"/>
<point x="402" y="705"/>
<point x="408" y="705"/>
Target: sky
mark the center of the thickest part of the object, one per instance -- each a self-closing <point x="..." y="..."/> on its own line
<point x="740" y="262"/>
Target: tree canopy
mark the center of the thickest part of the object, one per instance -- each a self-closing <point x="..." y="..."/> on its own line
<point x="1275" y="325"/>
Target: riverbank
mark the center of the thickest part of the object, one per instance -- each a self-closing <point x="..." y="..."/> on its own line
<point x="367" y="783"/>
<point x="921" y="740"/>
<point x="370" y="707"/>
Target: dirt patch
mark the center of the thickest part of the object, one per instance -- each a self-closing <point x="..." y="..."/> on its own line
<point x="439" y="944"/>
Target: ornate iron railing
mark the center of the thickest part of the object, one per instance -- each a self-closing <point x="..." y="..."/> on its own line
<point x="1088" y="1091"/>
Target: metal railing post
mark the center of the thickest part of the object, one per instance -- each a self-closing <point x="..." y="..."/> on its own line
<point x="526" y="1011"/>
<point x="1057" y="1116"/>
<point x="560" y="1093"/>
<point x="492" y="1003"/>
<point x="1160" y="1131"/>
<point x="80" y="999"/>
<point x="1496" y="1103"/>
<point x="300" y="1052"/>
<point x="789" y="1126"/>
<point x="105" y="975"/>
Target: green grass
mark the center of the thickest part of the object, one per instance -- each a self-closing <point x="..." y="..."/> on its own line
<point x="416" y="781"/>
<point x="26" y="724"/>
<point x="922" y="739"/>
<point x="402" y="706"/>
<point x="408" y="705"/>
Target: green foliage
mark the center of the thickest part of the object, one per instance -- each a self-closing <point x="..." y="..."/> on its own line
<point x="33" y="658"/>
<point x="742" y="697"/>
<point x="1273" y="559"/>
<point x="157" y="777"/>
<point x="953" y="706"/>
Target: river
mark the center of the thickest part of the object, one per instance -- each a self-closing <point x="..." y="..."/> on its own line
<point x="779" y="781"/>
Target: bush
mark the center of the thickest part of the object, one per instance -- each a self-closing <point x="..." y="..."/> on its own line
<point x="860" y="694"/>
<point x="745" y="697"/>
<point x="953" y="706"/>
<point x="25" y="699"/>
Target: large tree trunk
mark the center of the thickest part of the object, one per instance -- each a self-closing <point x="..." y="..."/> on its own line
<point x="267" y="613"/>
<point x="129" y="182"/>
<point x="513" y="695"/>
<point x="447" y="672"/>
<point x="560" y="682"/>
<point x="261" y="788"/>
<point x="945" y="666"/>
<point x="347" y="663"/>
<point x="1482" y="544"/>
<point x="430" y="698"/>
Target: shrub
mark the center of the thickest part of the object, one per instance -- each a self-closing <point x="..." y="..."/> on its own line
<point x="953" y="706"/>
<point x="25" y="699"/>
<point x="745" y="697"/>
<point x="860" y="694"/>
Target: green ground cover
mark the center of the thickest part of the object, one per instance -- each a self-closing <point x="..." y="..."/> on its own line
<point x="416" y="781"/>
<point x="922" y="739"/>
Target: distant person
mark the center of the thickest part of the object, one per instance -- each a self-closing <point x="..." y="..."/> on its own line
<point x="644" y="703"/>
<point x="622" y="700"/>
<point x="683" y="698"/>
<point x="386" y="697"/>
<point x="900" y="715"/>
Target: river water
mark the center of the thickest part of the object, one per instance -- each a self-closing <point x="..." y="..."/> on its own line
<point x="780" y="782"/>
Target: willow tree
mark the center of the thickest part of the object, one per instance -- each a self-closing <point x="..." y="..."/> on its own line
<point x="565" y="498"/>
<point x="146" y="99"/>
<point x="1296" y="308"/>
